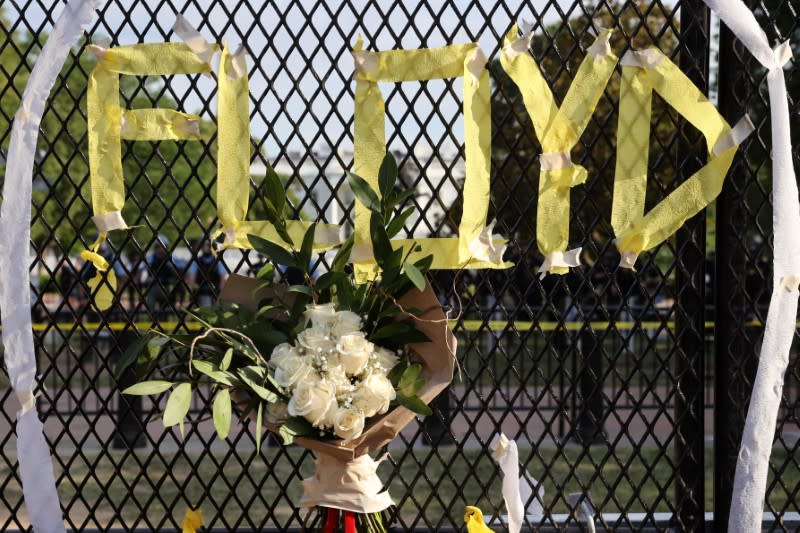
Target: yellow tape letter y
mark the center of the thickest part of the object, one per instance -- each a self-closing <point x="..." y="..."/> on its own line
<point x="559" y="130"/>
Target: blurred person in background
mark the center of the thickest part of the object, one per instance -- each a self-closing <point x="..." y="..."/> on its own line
<point x="206" y="276"/>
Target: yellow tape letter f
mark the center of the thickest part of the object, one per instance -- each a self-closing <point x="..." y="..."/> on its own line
<point x="558" y="130"/>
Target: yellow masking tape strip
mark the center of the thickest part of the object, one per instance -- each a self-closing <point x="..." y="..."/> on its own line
<point x="159" y="124"/>
<point x="636" y="231"/>
<point x="477" y="160"/>
<point x="233" y="156"/>
<point x="153" y="59"/>
<point x="558" y="129"/>
<point x="416" y="65"/>
<point x="370" y="137"/>
<point x="326" y="236"/>
<point x="104" y="117"/>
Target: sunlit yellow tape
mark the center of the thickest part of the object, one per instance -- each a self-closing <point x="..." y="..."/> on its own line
<point x="105" y="116"/>
<point x="233" y="156"/>
<point x="558" y="129"/>
<point x="158" y="124"/>
<point x="153" y="59"/>
<point x="370" y="144"/>
<point x="636" y="231"/>
<point x="326" y="236"/>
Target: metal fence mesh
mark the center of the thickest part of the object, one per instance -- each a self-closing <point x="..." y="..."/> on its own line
<point x="626" y="391"/>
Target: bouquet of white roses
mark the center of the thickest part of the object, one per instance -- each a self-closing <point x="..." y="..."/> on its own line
<point x="337" y="365"/>
<point x="332" y="376"/>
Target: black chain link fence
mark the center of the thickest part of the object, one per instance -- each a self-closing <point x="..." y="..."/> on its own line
<point x="626" y="392"/>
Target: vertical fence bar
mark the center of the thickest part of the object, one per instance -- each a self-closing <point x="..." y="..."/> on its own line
<point x="731" y="382"/>
<point x="690" y="279"/>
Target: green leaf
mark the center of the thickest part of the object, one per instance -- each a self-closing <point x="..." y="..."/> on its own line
<point x="365" y="194"/>
<point x="294" y="427"/>
<point x="226" y="359"/>
<point x="266" y="272"/>
<point x="415" y="276"/>
<point x="302" y="289"/>
<point x="251" y="378"/>
<point x="424" y="264"/>
<point x="259" y="426"/>
<point x="272" y="251"/>
<point x="306" y="248"/>
<point x="343" y="255"/>
<point x="155" y="344"/>
<point x="328" y="279"/>
<point x="275" y="191"/>
<point x="402" y="197"/>
<point x="178" y="404"/>
<point x="210" y="369"/>
<point x="148" y="387"/>
<point x="387" y="174"/>
<point x="398" y="222"/>
<point x="131" y="354"/>
<point x="414" y="403"/>
<point x="222" y="413"/>
<point x="381" y="246"/>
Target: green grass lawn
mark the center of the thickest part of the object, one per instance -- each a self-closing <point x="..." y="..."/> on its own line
<point x="442" y="483"/>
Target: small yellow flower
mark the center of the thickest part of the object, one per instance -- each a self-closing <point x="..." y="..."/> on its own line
<point x="192" y="520"/>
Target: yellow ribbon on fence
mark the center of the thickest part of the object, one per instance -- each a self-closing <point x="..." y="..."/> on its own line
<point x="454" y="61"/>
<point x="558" y="130"/>
<point x="642" y="73"/>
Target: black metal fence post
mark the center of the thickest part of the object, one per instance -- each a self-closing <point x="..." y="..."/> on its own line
<point x="733" y="348"/>
<point x="129" y="430"/>
<point x="690" y="289"/>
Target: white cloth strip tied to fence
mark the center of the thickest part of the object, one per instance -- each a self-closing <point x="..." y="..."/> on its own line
<point x="33" y="455"/>
<point x="753" y="464"/>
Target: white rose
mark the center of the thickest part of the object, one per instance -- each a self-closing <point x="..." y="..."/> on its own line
<point x="386" y="358"/>
<point x="321" y="315"/>
<point x="312" y="401"/>
<point x="354" y="351"/>
<point x="315" y="340"/>
<point x="337" y="377"/>
<point x="346" y="322"/>
<point x="373" y="395"/>
<point x="281" y="354"/>
<point x="292" y="371"/>
<point x="348" y="423"/>
<point x="276" y="413"/>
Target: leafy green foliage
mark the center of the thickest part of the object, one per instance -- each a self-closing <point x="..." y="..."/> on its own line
<point x="222" y="412"/>
<point x="294" y="427"/>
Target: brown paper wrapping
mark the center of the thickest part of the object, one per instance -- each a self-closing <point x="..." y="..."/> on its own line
<point x="437" y="358"/>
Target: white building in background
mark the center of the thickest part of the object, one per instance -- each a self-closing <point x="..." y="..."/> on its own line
<point x="324" y="173"/>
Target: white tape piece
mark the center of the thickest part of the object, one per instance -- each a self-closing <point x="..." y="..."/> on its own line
<point x="109" y="222"/>
<point x="484" y="248"/>
<point x="476" y="64"/>
<point x="601" y="47"/>
<point x="555" y="160"/>
<point x="365" y="61"/>
<point x="193" y="39"/>
<point x="191" y="127"/>
<point x="519" y="46"/>
<point x="237" y="64"/>
<point x="649" y="58"/>
<point x="33" y="454"/>
<point x="628" y="260"/>
<point x="568" y="259"/>
<point x="26" y="400"/>
<point x="735" y="137"/>
<point x="517" y="489"/>
<point x="750" y="480"/>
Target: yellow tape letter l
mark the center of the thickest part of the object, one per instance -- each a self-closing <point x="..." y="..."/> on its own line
<point x="559" y="130"/>
<point x="108" y="124"/>
<point x="642" y="73"/>
<point x="474" y="247"/>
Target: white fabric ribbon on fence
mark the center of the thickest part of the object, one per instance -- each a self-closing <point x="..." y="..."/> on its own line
<point x="517" y="490"/>
<point x="33" y="454"/>
<point x="759" y="430"/>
